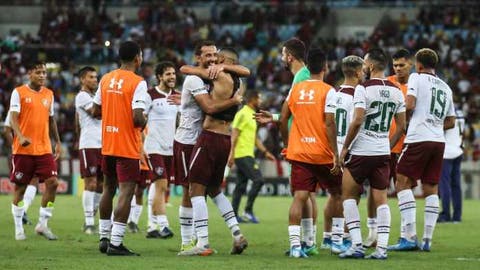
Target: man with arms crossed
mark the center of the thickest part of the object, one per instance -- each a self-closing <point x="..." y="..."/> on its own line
<point x="32" y="120"/>
<point x="431" y="111"/>
<point x="366" y="151"/>
<point x="311" y="144"/>
<point x="90" y="146"/>
<point x="120" y="100"/>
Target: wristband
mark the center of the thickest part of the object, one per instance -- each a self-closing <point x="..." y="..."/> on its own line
<point x="275" y="117"/>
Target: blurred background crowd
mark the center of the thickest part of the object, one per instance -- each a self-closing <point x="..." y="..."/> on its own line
<point x="82" y="32"/>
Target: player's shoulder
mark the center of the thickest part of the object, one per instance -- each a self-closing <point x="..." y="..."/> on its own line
<point x="47" y="91"/>
<point x="154" y="94"/>
<point x="345" y="90"/>
<point x="378" y="82"/>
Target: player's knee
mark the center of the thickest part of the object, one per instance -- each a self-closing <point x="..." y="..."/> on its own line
<point x="51" y="183"/>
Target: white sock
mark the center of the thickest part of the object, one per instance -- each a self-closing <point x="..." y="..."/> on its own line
<point x="105" y="228"/>
<point x="402" y="227"/>
<point x="372" y="228"/>
<point x="137" y="212"/>
<point x="45" y="214"/>
<point x="96" y="201"/>
<point x="338" y="228"/>
<point x="152" y="222"/>
<point x="118" y="231"/>
<point x="352" y="219"/>
<point x="431" y="214"/>
<point x="307" y="230"/>
<point x="226" y="210"/>
<point x="185" y="215"/>
<point x="29" y="195"/>
<point x="327" y="235"/>
<point x="384" y="220"/>
<point x="314" y="234"/>
<point x="294" y="235"/>
<point x="17" y="212"/>
<point x="408" y="212"/>
<point x="162" y="221"/>
<point x="200" y="219"/>
<point x="88" y="204"/>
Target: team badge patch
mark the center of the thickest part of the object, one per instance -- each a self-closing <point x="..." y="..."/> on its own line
<point x="159" y="170"/>
<point x="18" y="175"/>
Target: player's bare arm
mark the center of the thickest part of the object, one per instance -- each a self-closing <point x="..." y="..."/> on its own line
<point x="214" y="71"/>
<point x="449" y="122"/>
<point x="263" y="117"/>
<point x="234" y="139"/>
<point x="96" y="111"/>
<point x="358" y="119"/>
<point x="332" y="141"/>
<point x="24" y="141"/>
<point x="139" y="118"/>
<point x="285" y="115"/>
<point x="54" y="133"/>
<point x="211" y="106"/>
<point x="260" y="146"/>
<point x="401" y="122"/>
<point x="410" y="104"/>
<point x="7" y="133"/>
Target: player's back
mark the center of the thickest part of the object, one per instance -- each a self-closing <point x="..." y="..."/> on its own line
<point x="308" y="142"/>
<point x="191" y="117"/>
<point x="433" y="104"/>
<point x="90" y="127"/>
<point x="119" y="135"/>
<point x="343" y="112"/>
<point x="381" y="100"/>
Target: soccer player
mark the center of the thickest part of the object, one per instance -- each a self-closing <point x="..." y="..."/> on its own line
<point x="207" y="165"/>
<point x="293" y="57"/>
<point x="402" y="65"/>
<point x="90" y="146"/>
<point x="450" y="184"/>
<point x="31" y="189"/>
<point x="311" y="144"/>
<point x="162" y="121"/>
<point x="353" y="74"/>
<point x="244" y="140"/>
<point x="120" y="100"/>
<point x="195" y="100"/>
<point x="431" y="111"/>
<point x="32" y="120"/>
<point x="366" y="151"/>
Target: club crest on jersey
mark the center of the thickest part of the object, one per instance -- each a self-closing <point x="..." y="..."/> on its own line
<point x="18" y="175"/>
<point x="339" y="101"/>
<point x="45" y="102"/>
<point x="159" y="170"/>
<point x="93" y="169"/>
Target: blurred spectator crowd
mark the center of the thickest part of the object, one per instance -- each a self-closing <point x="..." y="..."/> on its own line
<point x="75" y="35"/>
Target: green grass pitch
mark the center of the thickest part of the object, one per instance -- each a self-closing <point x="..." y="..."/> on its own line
<point x="455" y="246"/>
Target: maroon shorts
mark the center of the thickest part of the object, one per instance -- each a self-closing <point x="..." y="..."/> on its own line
<point x="305" y="177"/>
<point x="145" y="178"/>
<point x="25" y="167"/>
<point x="393" y="166"/>
<point x="209" y="158"/>
<point x="124" y="169"/>
<point x="161" y="166"/>
<point x="422" y="160"/>
<point x="374" y="168"/>
<point x="91" y="162"/>
<point x="181" y="162"/>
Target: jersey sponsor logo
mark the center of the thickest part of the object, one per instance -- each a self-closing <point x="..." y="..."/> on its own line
<point x="111" y="129"/>
<point x="113" y="82"/>
<point x="308" y="140"/>
<point x="28" y="100"/>
<point x="310" y="94"/>
<point x="54" y="173"/>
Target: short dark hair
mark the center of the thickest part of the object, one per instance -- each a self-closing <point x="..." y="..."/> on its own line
<point x="83" y="71"/>
<point x="379" y="58"/>
<point x="296" y="48"/>
<point x="162" y="66"/>
<point x="402" y="53"/>
<point x="34" y="64"/>
<point x="128" y="51"/>
<point x="427" y="57"/>
<point x="351" y="64"/>
<point x="252" y="94"/>
<point x="202" y="43"/>
<point x="316" y="60"/>
<point x="230" y="50"/>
